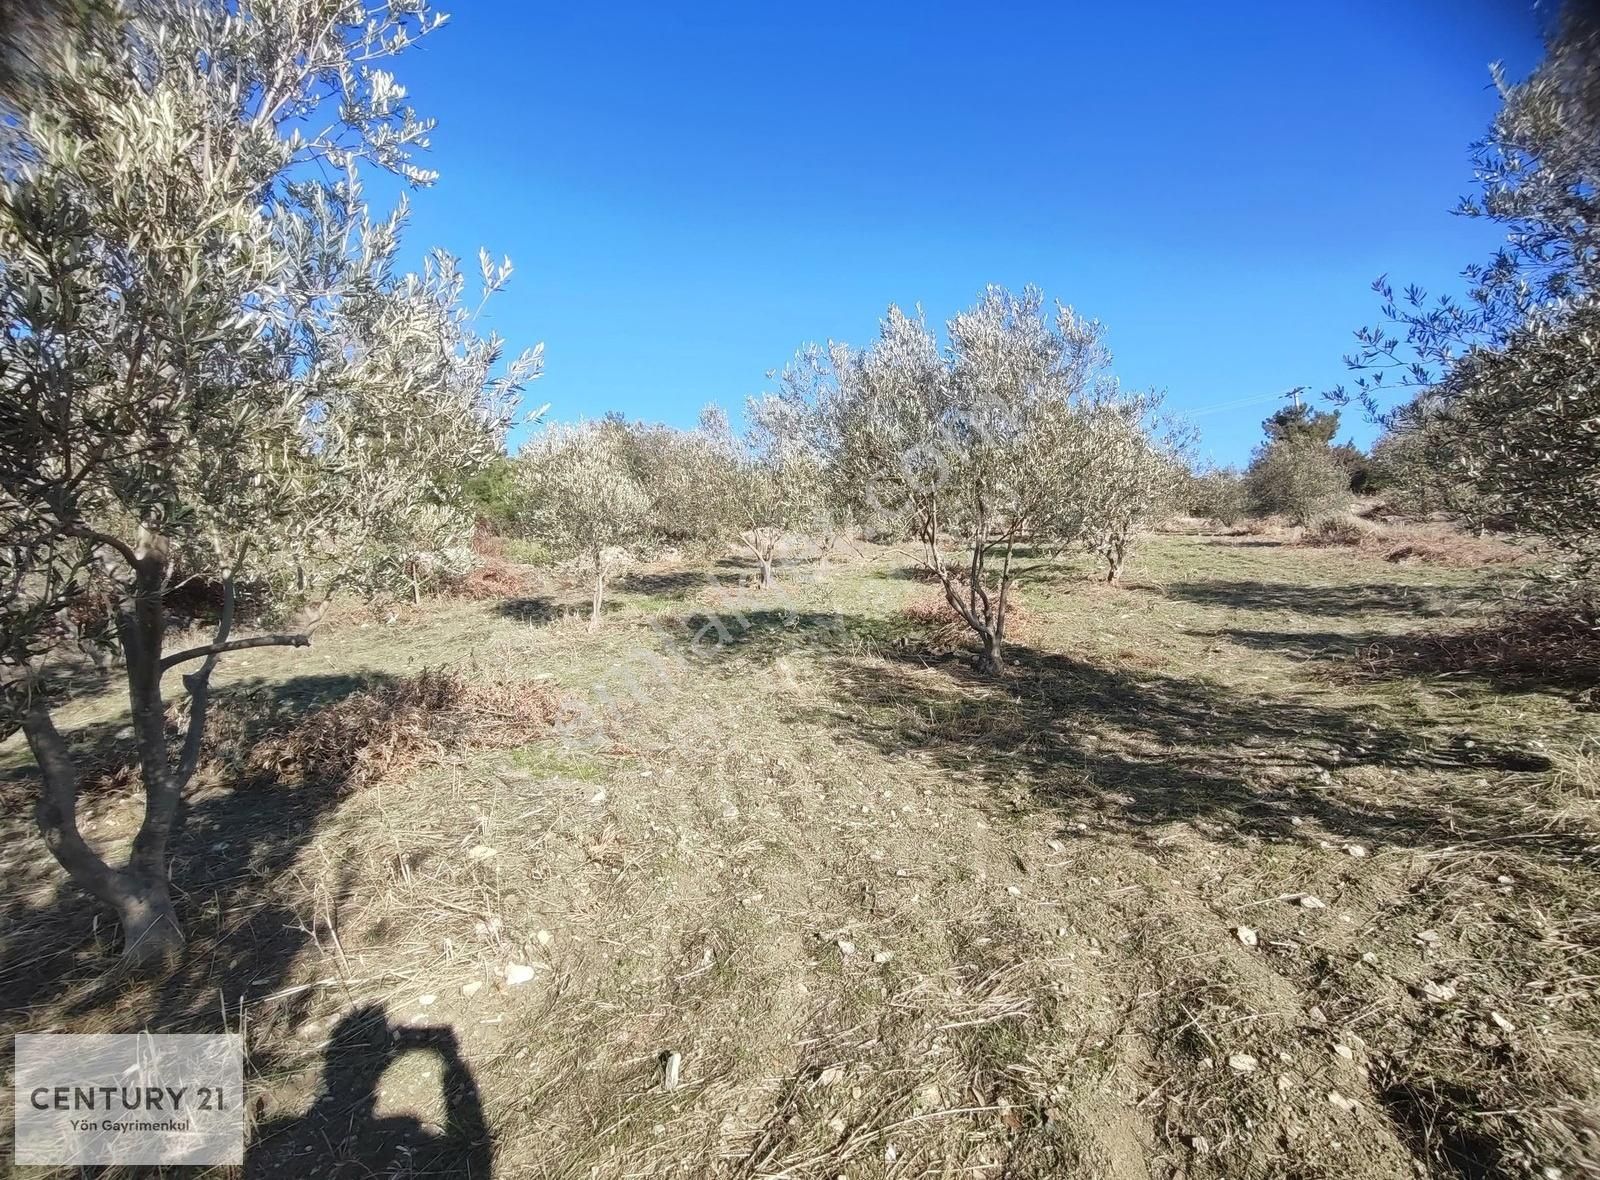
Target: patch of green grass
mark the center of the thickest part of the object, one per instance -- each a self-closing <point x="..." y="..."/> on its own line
<point x="544" y="761"/>
<point x="526" y="552"/>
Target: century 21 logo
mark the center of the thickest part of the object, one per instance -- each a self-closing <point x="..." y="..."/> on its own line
<point x="128" y="1097"/>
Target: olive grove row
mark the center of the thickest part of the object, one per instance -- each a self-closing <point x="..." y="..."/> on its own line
<point x="1012" y="432"/>
<point x="215" y="371"/>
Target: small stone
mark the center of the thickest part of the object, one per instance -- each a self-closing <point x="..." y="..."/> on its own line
<point x="471" y="989"/>
<point x="1428" y="936"/>
<point x="1344" y="1051"/>
<point x="1355" y="850"/>
<point x="882" y="956"/>
<point x="846" y="948"/>
<point x="1340" y="1102"/>
<point x="1438" y="993"/>
<point x="1242" y="1063"/>
<point x="480" y="852"/>
<point x="519" y="973"/>
<point x="830" y="1075"/>
<point x="1055" y="845"/>
<point x="1246" y="935"/>
<point x="425" y="1000"/>
<point x="1369" y="958"/>
<point x="544" y="937"/>
<point x="598" y="797"/>
<point x="1502" y="1023"/>
<point x="1013" y="891"/>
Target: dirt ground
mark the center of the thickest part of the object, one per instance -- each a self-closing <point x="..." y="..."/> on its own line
<point x="1177" y="897"/>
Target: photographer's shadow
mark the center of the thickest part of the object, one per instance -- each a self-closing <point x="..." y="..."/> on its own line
<point x="342" y="1135"/>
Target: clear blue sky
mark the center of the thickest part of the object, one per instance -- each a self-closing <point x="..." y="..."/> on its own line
<point x="689" y="192"/>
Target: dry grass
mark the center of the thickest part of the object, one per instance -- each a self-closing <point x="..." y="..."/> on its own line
<point x="493" y="578"/>
<point x="1535" y="645"/>
<point x="386" y="732"/>
<point x="1401" y="542"/>
<point x="932" y="616"/>
<point x="1339" y="532"/>
<point x="895" y="921"/>
<point x="1459" y="550"/>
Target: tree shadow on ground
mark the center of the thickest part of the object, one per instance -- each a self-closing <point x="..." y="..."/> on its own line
<point x="767" y="633"/>
<point x="665" y="583"/>
<point x="238" y="830"/>
<point x="539" y="609"/>
<point x="911" y="572"/>
<point x="1142" y="748"/>
<point x="1302" y="645"/>
<point x="341" y="1134"/>
<point x="1148" y="749"/>
<point x="233" y="859"/>
<point x="1345" y="599"/>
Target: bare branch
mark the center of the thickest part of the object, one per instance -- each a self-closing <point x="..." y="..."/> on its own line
<point x="122" y="547"/>
<point x="216" y="649"/>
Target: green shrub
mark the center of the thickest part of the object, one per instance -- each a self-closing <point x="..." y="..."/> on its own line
<point x="1300" y="479"/>
<point x="1218" y="495"/>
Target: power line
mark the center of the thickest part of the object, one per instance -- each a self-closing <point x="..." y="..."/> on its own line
<point x="1237" y="403"/>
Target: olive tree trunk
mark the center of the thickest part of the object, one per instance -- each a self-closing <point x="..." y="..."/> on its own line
<point x="984" y="612"/>
<point x="1116" y="555"/>
<point x="990" y="662"/>
<point x="138" y="891"/>
<point x="598" y="601"/>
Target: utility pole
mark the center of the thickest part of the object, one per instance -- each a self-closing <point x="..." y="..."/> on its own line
<point x="1295" y="393"/>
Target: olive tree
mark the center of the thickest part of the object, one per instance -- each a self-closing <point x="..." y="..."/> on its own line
<point x="670" y="466"/>
<point x="1131" y="473"/>
<point x="583" y="500"/>
<point x="1298" y="478"/>
<point x="767" y="484"/>
<point x="211" y="367"/>
<point x="1217" y="493"/>
<point x="1419" y="464"/>
<point x="1535" y="453"/>
<point x="1509" y="367"/>
<point x="973" y="446"/>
